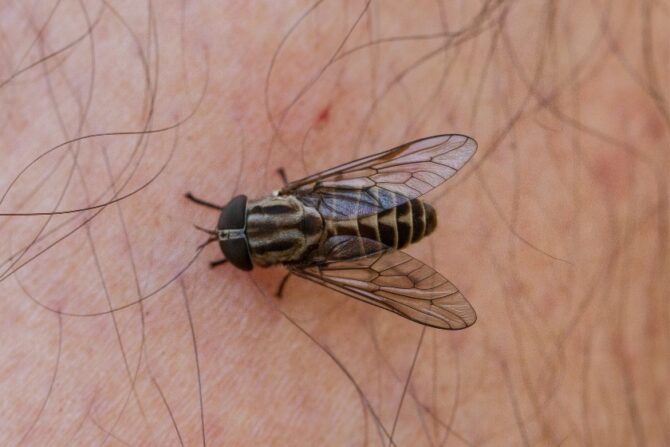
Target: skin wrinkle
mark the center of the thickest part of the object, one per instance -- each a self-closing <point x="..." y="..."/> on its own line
<point x="556" y="232"/>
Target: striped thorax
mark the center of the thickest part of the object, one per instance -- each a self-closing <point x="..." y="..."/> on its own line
<point x="280" y="229"/>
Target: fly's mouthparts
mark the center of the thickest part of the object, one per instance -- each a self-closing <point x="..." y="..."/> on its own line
<point x="234" y="233"/>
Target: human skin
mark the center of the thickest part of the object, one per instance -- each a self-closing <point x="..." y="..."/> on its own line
<point x="113" y="334"/>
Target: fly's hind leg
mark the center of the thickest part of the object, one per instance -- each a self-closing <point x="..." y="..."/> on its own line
<point x="280" y="289"/>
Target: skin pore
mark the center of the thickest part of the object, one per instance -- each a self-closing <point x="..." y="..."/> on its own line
<point x="116" y="332"/>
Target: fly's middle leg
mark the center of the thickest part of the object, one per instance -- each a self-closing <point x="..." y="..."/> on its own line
<point x="280" y="289"/>
<point x="282" y="174"/>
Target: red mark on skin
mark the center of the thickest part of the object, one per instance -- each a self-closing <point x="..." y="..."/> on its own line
<point x="614" y="172"/>
<point x="323" y="117"/>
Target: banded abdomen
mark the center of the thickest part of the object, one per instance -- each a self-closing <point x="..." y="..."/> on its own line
<point x="396" y="227"/>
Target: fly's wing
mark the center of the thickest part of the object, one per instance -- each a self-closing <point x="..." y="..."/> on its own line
<point x="393" y="280"/>
<point x="385" y="180"/>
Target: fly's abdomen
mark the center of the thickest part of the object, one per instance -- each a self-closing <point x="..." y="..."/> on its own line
<point x="396" y="227"/>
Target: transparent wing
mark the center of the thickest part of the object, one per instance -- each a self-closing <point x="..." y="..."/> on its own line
<point x="384" y="180"/>
<point x="393" y="280"/>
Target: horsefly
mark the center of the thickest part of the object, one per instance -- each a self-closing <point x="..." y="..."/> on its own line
<point x="344" y="227"/>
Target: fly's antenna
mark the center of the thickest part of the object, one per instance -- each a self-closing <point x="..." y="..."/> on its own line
<point x="206" y="243"/>
<point x="205" y="230"/>
<point x="213" y="236"/>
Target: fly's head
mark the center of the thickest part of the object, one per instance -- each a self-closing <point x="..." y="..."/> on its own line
<point x="231" y="232"/>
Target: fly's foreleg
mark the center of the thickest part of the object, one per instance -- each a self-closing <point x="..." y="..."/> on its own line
<point x="217" y="263"/>
<point x="192" y="198"/>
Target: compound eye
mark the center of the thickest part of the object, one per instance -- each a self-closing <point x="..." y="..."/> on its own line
<point x="236" y="252"/>
<point x="233" y="217"/>
<point x="234" y="214"/>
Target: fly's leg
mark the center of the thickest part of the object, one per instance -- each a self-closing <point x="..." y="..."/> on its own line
<point x="217" y="263"/>
<point x="280" y="290"/>
<point x="192" y="198"/>
<point x="283" y="176"/>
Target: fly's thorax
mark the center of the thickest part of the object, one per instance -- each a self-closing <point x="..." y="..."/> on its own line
<point x="281" y="229"/>
<point x="396" y="227"/>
